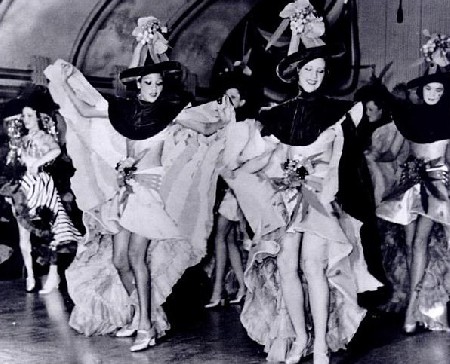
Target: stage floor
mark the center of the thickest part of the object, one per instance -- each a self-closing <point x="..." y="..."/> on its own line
<point x="34" y="329"/>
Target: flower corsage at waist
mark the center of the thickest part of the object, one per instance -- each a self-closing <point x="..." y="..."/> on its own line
<point x="125" y="173"/>
<point x="417" y="171"/>
<point x="296" y="172"/>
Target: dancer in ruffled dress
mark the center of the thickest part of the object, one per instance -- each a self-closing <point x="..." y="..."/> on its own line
<point x="138" y="176"/>
<point x="242" y="90"/>
<point x="378" y="133"/>
<point x="36" y="203"/>
<point x="288" y="195"/>
<point x="418" y="197"/>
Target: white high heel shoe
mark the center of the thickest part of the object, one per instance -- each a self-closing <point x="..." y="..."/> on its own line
<point x="31" y="284"/>
<point x="297" y="352"/>
<point x="144" y="339"/>
<point x="50" y="285"/>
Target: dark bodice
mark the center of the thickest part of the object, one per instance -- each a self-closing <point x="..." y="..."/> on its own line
<point x="138" y="120"/>
<point x="301" y="120"/>
<point x="423" y="123"/>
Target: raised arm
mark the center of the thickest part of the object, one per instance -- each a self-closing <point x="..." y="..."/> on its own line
<point x="85" y="110"/>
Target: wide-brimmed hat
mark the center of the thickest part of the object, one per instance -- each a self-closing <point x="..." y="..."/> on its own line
<point x="12" y="108"/>
<point x="131" y="74"/>
<point x="439" y="75"/>
<point x="287" y="68"/>
<point x="374" y="92"/>
<point x="35" y="96"/>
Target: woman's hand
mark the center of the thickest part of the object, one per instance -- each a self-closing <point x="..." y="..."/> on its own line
<point x="67" y="70"/>
<point x="139" y="53"/>
<point x="225" y="110"/>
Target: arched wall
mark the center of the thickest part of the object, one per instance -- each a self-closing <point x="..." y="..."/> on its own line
<point x="95" y="35"/>
<point x="198" y="31"/>
<point x="40" y="27"/>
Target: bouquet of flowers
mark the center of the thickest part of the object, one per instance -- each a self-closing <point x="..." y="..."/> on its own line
<point x="150" y="31"/>
<point x="437" y="49"/>
<point x="14" y="129"/>
<point x="304" y="19"/>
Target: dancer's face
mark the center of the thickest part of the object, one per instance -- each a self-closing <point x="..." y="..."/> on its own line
<point x="311" y="75"/>
<point x="30" y="120"/>
<point x="235" y="97"/>
<point x="151" y="86"/>
<point x="432" y="92"/>
<point x="373" y="112"/>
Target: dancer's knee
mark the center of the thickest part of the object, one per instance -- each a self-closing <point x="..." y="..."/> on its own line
<point x="314" y="268"/>
<point x="137" y="253"/>
<point x="121" y="263"/>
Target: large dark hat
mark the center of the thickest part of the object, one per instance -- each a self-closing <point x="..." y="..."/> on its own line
<point x="374" y="91"/>
<point x="12" y="108"/>
<point x="149" y="66"/>
<point x="287" y="68"/>
<point x="438" y="75"/>
<point x="35" y="96"/>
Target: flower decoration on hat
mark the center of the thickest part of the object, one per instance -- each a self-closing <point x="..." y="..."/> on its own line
<point x="436" y="57"/>
<point x="304" y="21"/>
<point x="149" y="31"/>
<point x="437" y="49"/>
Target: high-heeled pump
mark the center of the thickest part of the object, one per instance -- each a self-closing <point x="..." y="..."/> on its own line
<point x="31" y="284"/>
<point x="296" y="353"/>
<point x="126" y="331"/>
<point x="410" y="329"/>
<point x="130" y="328"/>
<point x="321" y="357"/>
<point x="239" y="299"/>
<point x="144" y="339"/>
<point x="50" y="285"/>
<point x="216" y="303"/>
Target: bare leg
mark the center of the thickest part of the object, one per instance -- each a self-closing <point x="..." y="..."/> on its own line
<point x="25" y="248"/>
<point x="223" y="228"/>
<point x="236" y="260"/>
<point x="314" y="264"/>
<point x="287" y="262"/>
<point x="121" y="260"/>
<point x="410" y="231"/>
<point x="418" y="264"/>
<point x="138" y="259"/>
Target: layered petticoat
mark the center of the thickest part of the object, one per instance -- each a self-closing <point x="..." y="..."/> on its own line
<point x="273" y="211"/>
<point x="177" y="218"/>
<point x="407" y="189"/>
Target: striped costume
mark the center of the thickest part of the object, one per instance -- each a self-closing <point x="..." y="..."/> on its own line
<point x="36" y="201"/>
